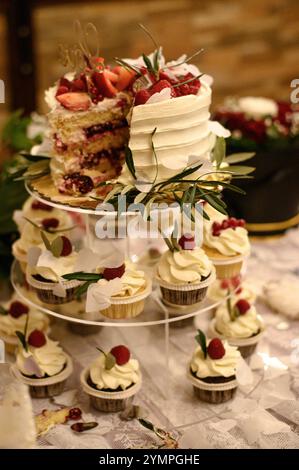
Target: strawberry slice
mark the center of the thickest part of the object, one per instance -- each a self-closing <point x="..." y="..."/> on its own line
<point x="103" y="84"/>
<point x="160" y="85"/>
<point x="74" y="101"/>
<point x="125" y="77"/>
<point x="141" y="97"/>
<point x="113" y="77"/>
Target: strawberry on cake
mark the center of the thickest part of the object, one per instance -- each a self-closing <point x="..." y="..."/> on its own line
<point x="88" y="126"/>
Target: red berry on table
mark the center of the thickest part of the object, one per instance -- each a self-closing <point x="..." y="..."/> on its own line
<point x="216" y="349"/>
<point x="74" y="101"/>
<point x="187" y="242"/>
<point x="141" y="97"/>
<point x="121" y="353"/>
<point x="40" y="206"/>
<point x="51" y="222"/>
<point x="112" y="273"/>
<point x="66" y="246"/>
<point x="243" y="306"/>
<point x="37" y="339"/>
<point x="224" y="284"/>
<point x="75" y="413"/>
<point x="17" y="309"/>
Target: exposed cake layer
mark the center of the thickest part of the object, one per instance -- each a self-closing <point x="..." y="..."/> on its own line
<point x="182" y="134"/>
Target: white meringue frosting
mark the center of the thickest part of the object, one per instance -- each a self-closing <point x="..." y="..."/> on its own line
<point x="50" y="358"/>
<point x="230" y="242"/>
<point x="244" y="326"/>
<point x="206" y="367"/>
<point x="182" y="130"/>
<point x="118" y="376"/>
<point x="184" y="266"/>
<point x="52" y="268"/>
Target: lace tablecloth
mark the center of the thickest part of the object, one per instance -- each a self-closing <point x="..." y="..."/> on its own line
<point x="264" y="414"/>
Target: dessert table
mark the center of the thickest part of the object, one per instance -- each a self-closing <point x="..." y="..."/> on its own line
<point x="264" y="413"/>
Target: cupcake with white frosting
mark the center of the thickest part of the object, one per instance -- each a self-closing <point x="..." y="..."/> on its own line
<point x="226" y="243"/>
<point x="13" y="317"/>
<point x="236" y="287"/>
<point x="35" y="210"/>
<point x="48" y="267"/>
<point x="239" y="323"/>
<point x="112" y="380"/>
<point x="31" y="234"/>
<point x="212" y="369"/>
<point x="116" y="292"/>
<point x="184" y="273"/>
<point x="41" y="364"/>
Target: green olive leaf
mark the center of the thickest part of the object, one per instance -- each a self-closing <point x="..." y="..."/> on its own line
<point x="201" y="339"/>
<point x="22" y="339"/>
<point x="45" y="240"/>
<point x="109" y="361"/>
<point x="57" y="247"/>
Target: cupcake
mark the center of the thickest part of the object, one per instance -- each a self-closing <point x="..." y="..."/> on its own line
<point x="226" y="243"/>
<point x="129" y="289"/>
<point x="31" y="235"/>
<point x="45" y="276"/>
<point x="212" y="370"/>
<point x="236" y="287"/>
<point x="112" y="380"/>
<point x="36" y="211"/>
<point x="42" y="364"/>
<point x="184" y="273"/>
<point x="13" y="317"/>
<point x="239" y="323"/>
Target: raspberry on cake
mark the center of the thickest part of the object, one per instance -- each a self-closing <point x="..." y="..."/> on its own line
<point x="88" y="126"/>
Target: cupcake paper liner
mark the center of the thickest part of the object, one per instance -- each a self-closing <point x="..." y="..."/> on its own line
<point x="213" y="393"/>
<point x="127" y="307"/>
<point x="20" y="257"/>
<point x="108" y="401"/>
<point x="45" y="293"/>
<point x="49" y="386"/>
<point x="185" y="294"/>
<point x="246" y="346"/>
<point x="227" y="268"/>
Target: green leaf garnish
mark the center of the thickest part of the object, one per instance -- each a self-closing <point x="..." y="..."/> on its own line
<point x="239" y="157"/>
<point x="57" y="247"/>
<point x="22" y="339"/>
<point x="110" y="361"/>
<point x="147" y="424"/>
<point x="130" y="162"/>
<point x="45" y="240"/>
<point x="82" y="276"/>
<point x="201" y="339"/>
<point x="82" y="289"/>
<point x="3" y="311"/>
<point x="219" y="151"/>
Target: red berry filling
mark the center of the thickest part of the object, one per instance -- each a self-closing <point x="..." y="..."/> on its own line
<point x="75" y="182"/>
<point x="121" y="353"/>
<point x="231" y="222"/>
<point x="37" y="339"/>
<point x="216" y="349"/>
<point x="17" y="309"/>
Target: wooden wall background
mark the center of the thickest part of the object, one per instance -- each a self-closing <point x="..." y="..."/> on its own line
<point x="251" y="46"/>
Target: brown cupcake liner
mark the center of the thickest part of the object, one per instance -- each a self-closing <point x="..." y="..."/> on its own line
<point x="47" y="391"/>
<point x="44" y="290"/>
<point x="177" y="297"/>
<point x="110" y="406"/>
<point x="246" y="351"/>
<point x="214" y="396"/>
<point x="83" y="330"/>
